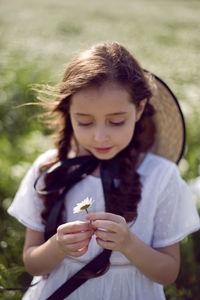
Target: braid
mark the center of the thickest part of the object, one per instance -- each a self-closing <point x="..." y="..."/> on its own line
<point x="64" y="139"/>
<point x="63" y="145"/>
<point x="124" y="200"/>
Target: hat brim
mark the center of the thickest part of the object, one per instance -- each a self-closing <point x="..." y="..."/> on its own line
<point x="170" y="125"/>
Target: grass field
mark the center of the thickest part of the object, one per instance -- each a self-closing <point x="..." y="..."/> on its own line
<point x="37" y="39"/>
<point x="163" y="35"/>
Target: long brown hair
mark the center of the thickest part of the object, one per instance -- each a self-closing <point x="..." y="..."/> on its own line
<point x="93" y="67"/>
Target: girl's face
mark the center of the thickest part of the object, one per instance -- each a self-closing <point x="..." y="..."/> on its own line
<point x="103" y="119"/>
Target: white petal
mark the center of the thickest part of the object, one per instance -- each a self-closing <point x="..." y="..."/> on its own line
<point x="80" y="205"/>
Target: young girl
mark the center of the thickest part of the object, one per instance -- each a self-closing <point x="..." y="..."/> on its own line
<point x="120" y="135"/>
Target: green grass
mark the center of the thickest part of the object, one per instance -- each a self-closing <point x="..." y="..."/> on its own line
<point x="37" y="39"/>
<point x="163" y="35"/>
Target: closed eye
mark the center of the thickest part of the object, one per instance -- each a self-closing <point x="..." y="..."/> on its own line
<point x="118" y="123"/>
<point x="84" y="124"/>
<point x="111" y="123"/>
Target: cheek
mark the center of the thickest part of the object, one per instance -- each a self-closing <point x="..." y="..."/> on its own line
<point x="77" y="130"/>
<point x="82" y="136"/>
<point x="127" y="138"/>
<point x="127" y="134"/>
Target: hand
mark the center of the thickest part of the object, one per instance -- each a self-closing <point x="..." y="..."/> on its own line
<point x="73" y="238"/>
<point x="111" y="230"/>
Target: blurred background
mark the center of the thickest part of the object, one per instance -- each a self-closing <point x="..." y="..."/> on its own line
<point x="37" y="39"/>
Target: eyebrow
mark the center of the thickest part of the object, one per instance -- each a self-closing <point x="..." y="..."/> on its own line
<point x="111" y="114"/>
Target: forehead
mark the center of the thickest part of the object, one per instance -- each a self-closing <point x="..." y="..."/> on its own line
<point x="109" y="97"/>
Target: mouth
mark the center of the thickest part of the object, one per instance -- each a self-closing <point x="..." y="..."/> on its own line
<point x="103" y="150"/>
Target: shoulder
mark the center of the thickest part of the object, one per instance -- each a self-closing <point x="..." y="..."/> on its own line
<point x="155" y="163"/>
<point x="42" y="159"/>
<point x="45" y="157"/>
<point x="159" y="169"/>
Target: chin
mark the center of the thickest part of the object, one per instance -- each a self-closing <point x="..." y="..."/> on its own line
<point x="105" y="156"/>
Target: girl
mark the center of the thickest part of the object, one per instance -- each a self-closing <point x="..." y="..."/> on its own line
<point x="120" y="133"/>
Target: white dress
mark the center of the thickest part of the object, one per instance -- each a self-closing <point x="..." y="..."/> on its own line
<point x="166" y="214"/>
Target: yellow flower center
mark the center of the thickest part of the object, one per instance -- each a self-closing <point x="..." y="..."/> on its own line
<point x="85" y="207"/>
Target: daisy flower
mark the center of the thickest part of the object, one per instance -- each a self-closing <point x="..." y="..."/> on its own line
<point x="83" y="205"/>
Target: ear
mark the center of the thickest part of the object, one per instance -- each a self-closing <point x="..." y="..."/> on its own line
<point x="140" y="109"/>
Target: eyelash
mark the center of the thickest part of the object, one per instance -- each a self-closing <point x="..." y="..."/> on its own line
<point x="84" y="124"/>
<point x="117" y="123"/>
<point x="111" y="123"/>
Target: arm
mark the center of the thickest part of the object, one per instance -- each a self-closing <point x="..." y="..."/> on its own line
<point x="42" y="257"/>
<point x="160" y="265"/>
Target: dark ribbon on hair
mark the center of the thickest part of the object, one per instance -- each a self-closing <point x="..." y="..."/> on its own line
<point x="83" y="165"/>
<point x="109" y="171"/>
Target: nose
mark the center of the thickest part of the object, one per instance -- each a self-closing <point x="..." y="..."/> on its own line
<point x="100" y="134"/>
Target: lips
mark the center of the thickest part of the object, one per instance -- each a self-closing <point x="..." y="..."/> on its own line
<point x="103" y="150"/>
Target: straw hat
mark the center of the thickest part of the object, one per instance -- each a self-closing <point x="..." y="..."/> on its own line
<point x="169" y="120"/>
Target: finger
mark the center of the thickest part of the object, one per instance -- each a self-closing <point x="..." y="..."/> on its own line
<point x="77" y="237"/>
<point x="78" y="246"/>
<point x="80" y="252"/>
<point x="105" y="244"/>
<point x="106" y="225"/>
<point x="71" y="227"/>
<point x="104" y="216"/>
<point x="105" y="235"/>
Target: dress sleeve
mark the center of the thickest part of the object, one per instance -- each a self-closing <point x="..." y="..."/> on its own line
<point x="27" y="206"/>
<point x="176" y="215"/>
